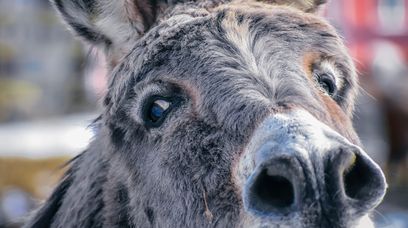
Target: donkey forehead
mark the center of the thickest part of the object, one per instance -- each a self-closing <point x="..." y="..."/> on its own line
<point x="248" y="48"/>
<point x="271" y="39"/>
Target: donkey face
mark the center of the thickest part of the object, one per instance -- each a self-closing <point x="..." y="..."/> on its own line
<point x="224" y="115"/>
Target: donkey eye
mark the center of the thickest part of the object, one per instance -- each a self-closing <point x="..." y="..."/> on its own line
<point x="327" y="82"/>
<point x="157" y="111"/>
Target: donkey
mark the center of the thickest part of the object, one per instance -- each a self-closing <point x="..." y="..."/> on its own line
<point x="218" y="114"/>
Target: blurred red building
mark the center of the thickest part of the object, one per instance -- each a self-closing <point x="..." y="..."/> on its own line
<point x="364" y="22"/>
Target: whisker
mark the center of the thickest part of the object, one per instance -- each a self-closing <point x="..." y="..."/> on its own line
<point x="386" y="222"/>
<point x="367" y="93"/>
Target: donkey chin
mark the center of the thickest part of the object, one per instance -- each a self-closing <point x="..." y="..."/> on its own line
<point x="298" y="172"/>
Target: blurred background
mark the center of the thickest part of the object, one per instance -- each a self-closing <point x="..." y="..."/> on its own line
<point x="51" y="86"/>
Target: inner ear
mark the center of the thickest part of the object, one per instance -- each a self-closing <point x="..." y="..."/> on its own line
<point x="144" y="11"/>
<point x="112" y="26"/>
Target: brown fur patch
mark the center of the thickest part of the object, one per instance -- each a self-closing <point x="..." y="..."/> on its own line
<point x="339" y="119"/>
<point x="191" y="91"/>
<point x="308" y="59"/>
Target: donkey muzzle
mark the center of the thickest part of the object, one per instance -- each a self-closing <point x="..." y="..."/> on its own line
<point x="296" y="166"/>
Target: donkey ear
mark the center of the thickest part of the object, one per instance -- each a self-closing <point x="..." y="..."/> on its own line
<point x="310" y="6"/>
<point x="109" y="25"/>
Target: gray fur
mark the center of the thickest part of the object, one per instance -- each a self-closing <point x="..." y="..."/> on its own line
<point x="230" y="65"/>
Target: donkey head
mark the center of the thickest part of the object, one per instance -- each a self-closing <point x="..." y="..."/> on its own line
<point x="227" y="114"/>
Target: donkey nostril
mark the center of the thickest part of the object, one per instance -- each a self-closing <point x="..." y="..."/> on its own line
<point x="357" y="179"/>
<point x="364" y="182"/>
<point x="271" y="193"/>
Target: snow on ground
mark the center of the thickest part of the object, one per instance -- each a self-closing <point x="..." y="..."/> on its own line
<point x="64" y="136"/>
